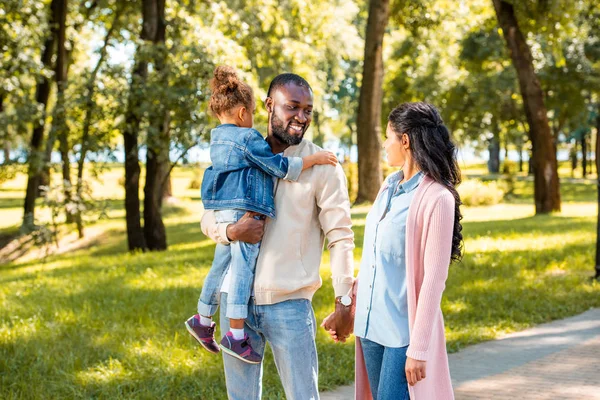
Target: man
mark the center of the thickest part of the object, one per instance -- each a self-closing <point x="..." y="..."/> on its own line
<point x="287" y="270"/>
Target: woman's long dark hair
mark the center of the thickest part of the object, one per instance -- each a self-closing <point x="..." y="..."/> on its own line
<point x="433" y="151"/>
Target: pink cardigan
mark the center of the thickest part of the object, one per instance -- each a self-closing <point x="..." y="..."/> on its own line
<point x="428" y="248"/>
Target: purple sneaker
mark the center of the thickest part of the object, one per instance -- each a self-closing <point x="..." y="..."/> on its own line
<point x="240" y="349"/>
<point x="205" y="335"/>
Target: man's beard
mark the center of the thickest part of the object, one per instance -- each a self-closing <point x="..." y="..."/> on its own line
<point x="281" y="133"/>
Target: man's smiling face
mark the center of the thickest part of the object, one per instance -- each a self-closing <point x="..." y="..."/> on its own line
<point x="290" y="108"/>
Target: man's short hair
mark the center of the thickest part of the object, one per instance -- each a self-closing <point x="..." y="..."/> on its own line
<point x="283" y="79"/>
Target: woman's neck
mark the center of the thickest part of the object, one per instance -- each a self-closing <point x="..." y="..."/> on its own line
<point x="410" y="169"/>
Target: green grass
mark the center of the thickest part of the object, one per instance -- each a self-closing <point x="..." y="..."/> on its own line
<point x="102" y="323"/>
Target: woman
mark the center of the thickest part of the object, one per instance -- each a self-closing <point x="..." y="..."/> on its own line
<point x="412" y="234"/>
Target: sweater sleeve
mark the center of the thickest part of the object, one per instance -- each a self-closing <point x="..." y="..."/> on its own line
<point x="214" y="230"/>
<point x="336" y="222"/>
<point x="438" y="248"/>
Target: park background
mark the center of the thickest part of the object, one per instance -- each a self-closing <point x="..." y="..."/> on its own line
<point x="104" y="130"/>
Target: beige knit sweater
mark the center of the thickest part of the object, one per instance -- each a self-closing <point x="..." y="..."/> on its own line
<point x="308" y="211"/>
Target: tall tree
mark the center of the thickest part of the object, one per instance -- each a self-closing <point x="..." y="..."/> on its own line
<point x="368" y="121"/>
<point x="131" y="131"/>
<point x="546" y="184"/>
<point x="597" y="276"/>
<point x="59" y="123"/>
<point x="42" y="94"/>
<point x="59" y="129"/>
<point x="157" y="159"/>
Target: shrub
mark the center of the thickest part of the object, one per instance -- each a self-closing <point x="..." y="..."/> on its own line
<point x="474" y="192"/>
<point x="351" y="171"/>
<point x="196" y="181"/>
<point x="10" y="171"/>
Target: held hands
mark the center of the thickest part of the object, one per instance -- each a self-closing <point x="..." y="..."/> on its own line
<point x="340" y="323"/>
<point x="415" y="371"/>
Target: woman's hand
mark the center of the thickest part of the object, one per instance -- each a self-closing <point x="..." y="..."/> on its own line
<point x="415" y="371"/>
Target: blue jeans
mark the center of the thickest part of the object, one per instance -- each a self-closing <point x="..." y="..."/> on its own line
<point x="385" y="369"/>
<point x="241" y="258"/>
<point x="290" y="329"/>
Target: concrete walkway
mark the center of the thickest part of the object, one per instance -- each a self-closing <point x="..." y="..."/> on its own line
<point x="557" y="360"/>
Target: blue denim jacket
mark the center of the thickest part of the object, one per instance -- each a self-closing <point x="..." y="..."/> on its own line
<point x="242" y="169"/>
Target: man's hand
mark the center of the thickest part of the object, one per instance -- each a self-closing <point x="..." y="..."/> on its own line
<point x="415" y="371"/>
<point x="249" y="229"/>
<point x="340" y="323"/>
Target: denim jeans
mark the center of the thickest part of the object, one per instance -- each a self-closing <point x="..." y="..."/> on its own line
<point x="290" y="329"/>
<point x="385" y="369"/>
<point x="241" y="258"/>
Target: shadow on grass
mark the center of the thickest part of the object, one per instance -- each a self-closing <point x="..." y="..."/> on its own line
<point x="11" y="202"/>
<point x="543" y="224"/>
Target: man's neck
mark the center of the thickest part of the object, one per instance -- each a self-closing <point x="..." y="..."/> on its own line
<point x="277" y="146"/>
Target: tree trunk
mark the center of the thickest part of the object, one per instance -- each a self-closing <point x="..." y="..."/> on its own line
<point x="573" y="157"/>
<point x="36" y="159"/>
<point x="6" y="151"/>
<point x="6" y="144"/>
<point x="505" y="161"/>
<point x="368" y="121"/>
<point x="584" y="154"/>
<point x="59" y="123"/>
<point x="494" y="150"/>
<point x="318" y="139"/>
<point x="157" y="160"/>
<point x="520" y="151"/>
<point x="597" y="275"/>
<point x="546" y="184"/>
<point x="135" y="233"/>
<point x="168" y="188"/>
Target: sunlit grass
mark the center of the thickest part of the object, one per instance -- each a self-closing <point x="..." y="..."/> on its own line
<point x="102" y="323"/>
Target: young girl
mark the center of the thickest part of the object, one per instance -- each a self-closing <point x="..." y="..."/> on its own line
<point x="240" y="179"/>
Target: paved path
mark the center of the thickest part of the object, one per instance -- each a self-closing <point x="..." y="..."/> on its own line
<point x="557" y="360"/>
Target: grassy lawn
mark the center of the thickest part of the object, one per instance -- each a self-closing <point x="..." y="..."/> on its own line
<point x="102" y="323"/>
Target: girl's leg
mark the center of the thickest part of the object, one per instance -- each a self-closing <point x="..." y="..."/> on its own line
<point x="373" y="354"/>
<point x="243" y="264"/>
<point x="209" y="297"/>
<point x="392" y="381"/>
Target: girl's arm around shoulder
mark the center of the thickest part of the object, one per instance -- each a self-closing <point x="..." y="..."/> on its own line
<point x="258" y="153"/>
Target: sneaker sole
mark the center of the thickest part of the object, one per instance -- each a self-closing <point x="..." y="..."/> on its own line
<point x="236" y="355"/>
<point x="191" y="331"/>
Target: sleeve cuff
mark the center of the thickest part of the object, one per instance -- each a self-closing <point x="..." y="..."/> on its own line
<point x="222" y="232"/>
<point x="295" y="165"/>
<point x="417" y="355"/>
<point x="343" y="286"/>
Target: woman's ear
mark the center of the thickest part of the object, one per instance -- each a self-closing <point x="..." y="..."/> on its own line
<point x="406" y="142"/>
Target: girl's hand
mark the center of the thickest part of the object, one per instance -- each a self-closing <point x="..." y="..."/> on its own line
<point x="325" y="158"/>
<point x="415" y="371"/>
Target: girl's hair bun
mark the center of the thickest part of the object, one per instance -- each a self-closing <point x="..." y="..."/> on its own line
<point x="225" y="79"/>
<point x="228" y="91"/>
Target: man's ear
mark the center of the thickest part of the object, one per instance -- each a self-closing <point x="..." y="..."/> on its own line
<point x="269" y="104"/>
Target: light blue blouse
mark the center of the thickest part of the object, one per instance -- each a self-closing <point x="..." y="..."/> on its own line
<point x="381" y="303"/>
